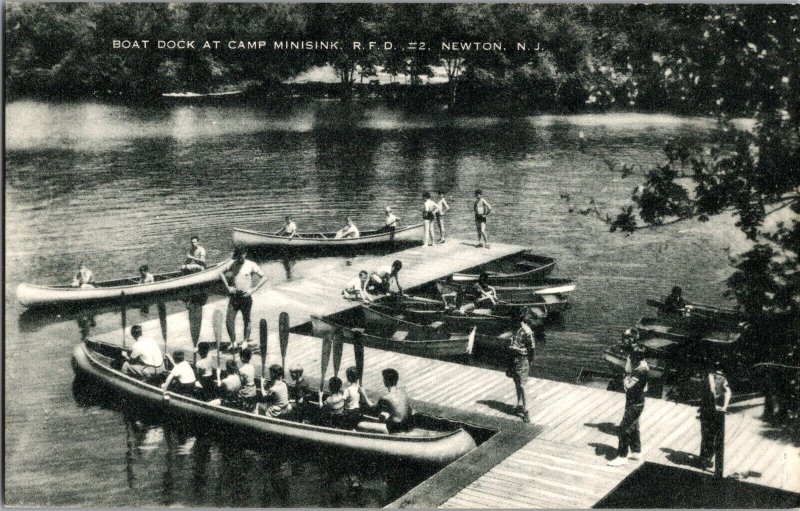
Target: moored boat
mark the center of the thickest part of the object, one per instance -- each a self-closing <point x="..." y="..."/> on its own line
<point x="253" y="239"/>
<point x="687" y="329"/>
<point x="486" y="321"/>
<point x="551" y="293"/>
<point x="33" y="295"/>
<point x="401" y="341"/>
<point x="617" y="357"/>
<point x="438" y="443"/>
<point x="526" y="265"/>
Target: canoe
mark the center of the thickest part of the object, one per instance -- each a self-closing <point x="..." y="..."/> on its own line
<point x="438" y="444"/>
<point x="549" y="292"/>
<point x="526" y="265"/>
<point x="378" y="318"/>
<point x="253" y="239"/>
<point x="687" y="328"/>
<point x="486" y="321"/>
<point x="399" y="341"/>
<point x="33" y="295"/>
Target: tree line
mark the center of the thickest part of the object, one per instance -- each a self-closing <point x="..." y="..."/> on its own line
<point x="593" y="57"/>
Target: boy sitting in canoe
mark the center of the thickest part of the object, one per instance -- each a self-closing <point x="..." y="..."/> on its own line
<point x="352" y="399"/>
<point x="181" y="379"/>
<point x="298" y="392"/>
<point x="333" y="407"/>
<point x="348" y="231"/>
<point x="195" y="257"/>
<point x="228" y="388"/>
<point x="393" y="408"/>
<point x="289" y="228"/>
<point x="84" y="279"/>
<point x="276" y="396"/>
<point x="145" y="361"/>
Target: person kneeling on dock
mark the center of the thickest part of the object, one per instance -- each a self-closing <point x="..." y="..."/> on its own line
<point x="380" y="282"/>
<point x="181" y="379"/>
<point x="393" y="408"/>
<point x="276" y="396"/>
<point x="356" y="289"/>
<point x="145" y="361"/>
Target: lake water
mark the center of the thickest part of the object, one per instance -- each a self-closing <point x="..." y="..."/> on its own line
<point x="117" y="186"/>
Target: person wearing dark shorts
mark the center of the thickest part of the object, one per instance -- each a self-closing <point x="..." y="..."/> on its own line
<point x="482" y="209"/>
<point x="429" y="209"/>
<point x="238" y="281"/>
<point x="520" y="359"/>
<point x="394" y="408"/>
<point x="635" y="384"/>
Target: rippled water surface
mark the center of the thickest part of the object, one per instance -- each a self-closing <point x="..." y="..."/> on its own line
<point x="117" y="186"/>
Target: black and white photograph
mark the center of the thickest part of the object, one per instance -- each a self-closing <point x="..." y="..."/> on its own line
<point x="404" y="255"/>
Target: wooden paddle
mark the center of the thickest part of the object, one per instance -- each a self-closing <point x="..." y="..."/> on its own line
<point x="123" y="316"/>
<point x="283" y="333"/>
<point x="217" y="322"/>
<point x="262" y="343"/>
<point x="337" y="352"/>
<point x="162" y="318"/>
<point x="358" y="351"/>
<point x="326" y="355"/>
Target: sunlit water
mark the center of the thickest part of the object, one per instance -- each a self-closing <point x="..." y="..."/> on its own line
<point x="117" y="186"/>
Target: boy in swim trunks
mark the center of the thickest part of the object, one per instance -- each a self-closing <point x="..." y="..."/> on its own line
<point x="241" y="275"/>
<point x="482" y="210"/>
<point x="429" y="209"/>
<point x="441" y="208"/>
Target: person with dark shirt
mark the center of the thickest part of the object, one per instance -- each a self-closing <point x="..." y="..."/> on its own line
<point x="674" y="303"/>
<point x="520" y="359"/>
<point x="393" y="408"/>
<point x="635" y="384"/>
<point x="714" y="403"/>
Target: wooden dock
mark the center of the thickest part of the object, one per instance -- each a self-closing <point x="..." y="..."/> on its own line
<point x="556" y="461"/>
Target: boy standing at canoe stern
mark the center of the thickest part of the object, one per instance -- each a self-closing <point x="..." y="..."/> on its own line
<point x="482" y="210"/>
<point x="196" y="257"/>
<point x="241" y="274"/>
<point x="390" y="224"/>
<point x="393" y="408"/>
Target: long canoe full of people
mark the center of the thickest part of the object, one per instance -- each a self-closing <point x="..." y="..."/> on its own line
<point x="235" y="387"/>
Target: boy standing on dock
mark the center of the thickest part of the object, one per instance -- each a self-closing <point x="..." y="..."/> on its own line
<point x="241" y="276"/>
<point x="713" y="406"/>
<point x="482" y="209"/>
<point x="635" y="384"/>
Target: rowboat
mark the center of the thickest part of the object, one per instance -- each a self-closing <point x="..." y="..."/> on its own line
<point x="33" y="295"/>
<point x="721" y="316"/>
<point x="485" y="320"/>
<point x="253" y="239"/>
<point x="401" y="341"/>
<point x="526" y="265"/>
<point x="435" y="442"/>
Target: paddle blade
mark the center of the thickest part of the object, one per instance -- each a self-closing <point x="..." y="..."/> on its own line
<point x="338" y="345"/>
<point x="283" y="333"/>
<point x="123" y="316"/>
<point x="217" y="321"/>
<point x="262" y="344"/>
<point x="162" y="318"/>
<point x="358" y="352"/>
<point x="471" y="342"/>
<point x="324" y="358"/>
